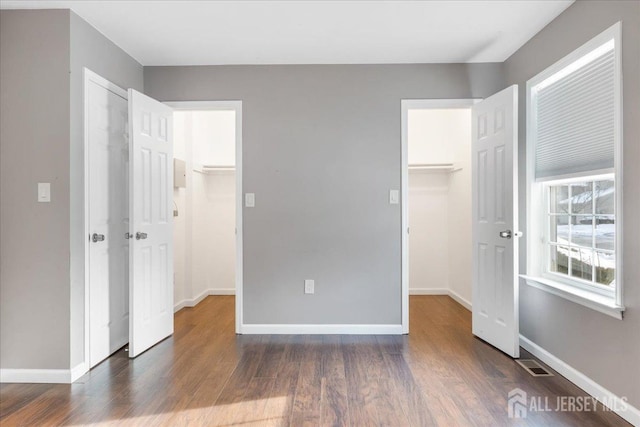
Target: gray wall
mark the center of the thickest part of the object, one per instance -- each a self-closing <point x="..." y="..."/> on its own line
<point x="605" y="349"/>
<point x="42" y="254"/>
<point x="34" y="147"/>
<point x="89" y="48"/>
<point x="321" y="149"/>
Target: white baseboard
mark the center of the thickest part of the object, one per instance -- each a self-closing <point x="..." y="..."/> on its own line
<point x="442" y="291"/>
<point x="322" y="329"/>
<point x="231" y="291"/>
<point x="179" y="306"/>
<point x="49" y="376"/>
<point x="195" y="301"/>
<point x="460" y="300"/>
<point x="44" y="376"/>
<point x="428" y="291"/>
<point x="594" y="389"/>
<point x="79" y="371"/>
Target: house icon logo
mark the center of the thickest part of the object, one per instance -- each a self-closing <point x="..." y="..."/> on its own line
<point x="517" y="403"/>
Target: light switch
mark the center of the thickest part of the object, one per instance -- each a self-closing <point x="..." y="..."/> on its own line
<point x="394" y="197"/>
<point x="249" y="200"/>
<point x="309" y="286"/>
<point x="44" y="192"/>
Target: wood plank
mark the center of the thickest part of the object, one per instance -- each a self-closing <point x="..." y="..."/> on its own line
<point x="306" y="404"/>
<point x="206" y="375"/>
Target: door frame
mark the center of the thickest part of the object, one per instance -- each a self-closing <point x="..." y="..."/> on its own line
<point x="405" y="106"/>
<point x="237" y="107"/>
<point x="90" y="76"/>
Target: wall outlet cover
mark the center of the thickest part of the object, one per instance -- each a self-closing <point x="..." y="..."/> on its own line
<point x="44" y="192"/>
<point x="394" y="197"/>
<point x="250" y="200"/>
<point x="309" y="286"/>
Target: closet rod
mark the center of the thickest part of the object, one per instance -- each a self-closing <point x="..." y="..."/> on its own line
<point x="432" y="166"/>
<point x="214" y="168"/>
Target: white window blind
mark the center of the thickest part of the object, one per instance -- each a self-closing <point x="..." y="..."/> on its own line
<point x="574" y="116"/>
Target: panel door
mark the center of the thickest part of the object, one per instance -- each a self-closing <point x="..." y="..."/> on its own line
<point x="495" y="221"/>
<point x="108" y="158"/>
<point x="150" y="205"/>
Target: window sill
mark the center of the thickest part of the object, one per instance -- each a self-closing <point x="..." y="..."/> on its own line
<point x="596" y="302"/>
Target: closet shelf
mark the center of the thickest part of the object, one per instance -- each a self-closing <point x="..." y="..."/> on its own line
<point x="444" y="167"/>
<point x="214" y="168"/>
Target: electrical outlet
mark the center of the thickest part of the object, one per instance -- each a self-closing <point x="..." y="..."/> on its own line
<point x="309" y="286"/>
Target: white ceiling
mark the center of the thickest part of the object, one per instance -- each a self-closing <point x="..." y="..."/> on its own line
<point x="312" y="32"/>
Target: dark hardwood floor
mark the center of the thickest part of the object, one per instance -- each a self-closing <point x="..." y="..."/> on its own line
<point x="205" y="375"/>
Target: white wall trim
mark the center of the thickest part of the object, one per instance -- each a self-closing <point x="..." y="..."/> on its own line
<point x="414" y="291"/>
<point x="323" y="329"/>
<point x="47" y="376"/>
<point x="631" y="414"/>
<point x="180" y="305"/>
<point x="78" y="371"/>
<point x="442" y="291"/>
<point x="43" y="376"/>
<point x="229" y="291"/>
<point x="404" y="212"/>
<point x="192" y="302"/>
<point x="574" y="294"/>
<point x="428" y="291"/>
<point x="460" y="300"/>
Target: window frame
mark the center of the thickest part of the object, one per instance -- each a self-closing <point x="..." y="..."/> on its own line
<point x="537" y="275"/>
<point x="589" y="286"/>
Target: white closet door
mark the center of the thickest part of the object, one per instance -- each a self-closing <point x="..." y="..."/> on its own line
<point x="150" y="206"/>
<point x="108" y="216"/>
<point x="495" y="220"/>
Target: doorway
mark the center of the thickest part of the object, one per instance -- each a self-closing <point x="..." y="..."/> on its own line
<point x="129" y="188"/>
<point x="436" y="194"/>
<point x="132" y="179"/>
<point x="207" y="202"/>
<point x="479" y="137"/>
<point x="128" y="250"/>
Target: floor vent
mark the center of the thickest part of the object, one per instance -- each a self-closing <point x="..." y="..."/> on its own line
<point x="534" y="368"/>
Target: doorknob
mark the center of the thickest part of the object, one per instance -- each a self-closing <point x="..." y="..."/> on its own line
<point x="97" y="237"/>
<point x="141" y="236"/>
<point x="506" y="234"/>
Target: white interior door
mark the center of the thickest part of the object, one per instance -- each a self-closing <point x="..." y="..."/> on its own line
<point x="495" y="220"/>
<point x="108" y="217"/>
<point x="150" y="205"/>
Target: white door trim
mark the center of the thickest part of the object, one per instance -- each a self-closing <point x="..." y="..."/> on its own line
<point x="406" y="105"/>
<point x="237" y="107"/>
<point x="90" y="76"/>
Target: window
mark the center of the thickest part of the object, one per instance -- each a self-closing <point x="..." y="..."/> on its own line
<point x="581" y="232"/>
<point x="573" y="146"/>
